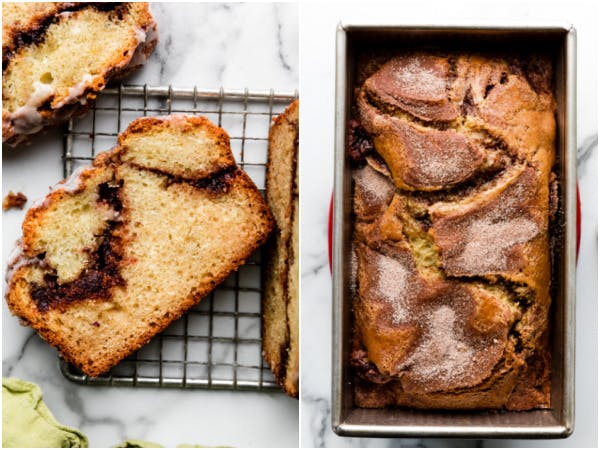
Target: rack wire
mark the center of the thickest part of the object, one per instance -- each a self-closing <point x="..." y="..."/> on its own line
<point x="217" y="344"/>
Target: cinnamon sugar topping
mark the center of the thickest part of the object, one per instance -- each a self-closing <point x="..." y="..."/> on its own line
<point x="454" y="275"/>
<point x="443" y="356"/>
<point x="419" y="78"/>
<point x="392" y="285"/>
<point x="488" y="241"/>
<point x="374" y="186"/>
<point x="439" y="157"/>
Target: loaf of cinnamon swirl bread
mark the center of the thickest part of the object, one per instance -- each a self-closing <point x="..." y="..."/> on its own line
<point x="454" y="154"/>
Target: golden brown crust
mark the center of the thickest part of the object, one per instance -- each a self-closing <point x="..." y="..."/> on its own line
<point x="416" y="84"/>
<point x="78" y="323"/>
<point x="452" y="234"/>
<point x="280" y="299"/>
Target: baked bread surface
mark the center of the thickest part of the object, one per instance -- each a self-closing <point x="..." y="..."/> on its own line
<point x="280" y="304"/>
<point x="56" y="57"/>
<point x="115" y="254"/>
<point x="451" y="233"/>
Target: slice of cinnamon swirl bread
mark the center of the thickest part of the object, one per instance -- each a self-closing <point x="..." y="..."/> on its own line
<point x="56" y="57"/>
<point x="280" y="302"/>
<point x="112" y="257"/>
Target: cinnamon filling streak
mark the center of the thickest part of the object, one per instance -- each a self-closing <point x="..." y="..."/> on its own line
<point x="103" y="272"/>
<point x="36" y="33"/>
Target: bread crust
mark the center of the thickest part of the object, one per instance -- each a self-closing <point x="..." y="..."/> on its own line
<point x="452" y="232"/>
<point x="87" y="315"/>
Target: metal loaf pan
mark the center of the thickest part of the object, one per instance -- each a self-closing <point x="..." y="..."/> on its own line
<point x="557" y="422"/>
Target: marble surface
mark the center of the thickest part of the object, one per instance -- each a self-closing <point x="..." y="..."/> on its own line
<point x="208" y="45"/>
<point x="318" y="90"/>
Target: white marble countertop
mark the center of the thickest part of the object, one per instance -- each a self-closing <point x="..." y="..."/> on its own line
<point x="318" y="90"/>
<point x="229" y="45"/>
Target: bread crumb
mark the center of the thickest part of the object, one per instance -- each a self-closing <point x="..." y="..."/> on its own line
<point x="13" y="200"/>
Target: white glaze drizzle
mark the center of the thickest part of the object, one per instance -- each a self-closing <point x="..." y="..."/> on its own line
<point x="140" y="35"/>
<point x="140" y="55"/>
<point x="76" y="92"/>
<point x="28" y="120"/>
<point x="18" y="259"/>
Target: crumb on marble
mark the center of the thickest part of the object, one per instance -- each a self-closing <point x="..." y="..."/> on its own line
<point x="13" y="200"/>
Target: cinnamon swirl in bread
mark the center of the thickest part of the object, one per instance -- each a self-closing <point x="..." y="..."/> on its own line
<point x="112" y="257"/>
<point x="451" y="232"/>
<point x="56" y="57"/>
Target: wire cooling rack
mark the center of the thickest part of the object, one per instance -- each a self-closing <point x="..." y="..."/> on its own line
<point x="217" y="344"/>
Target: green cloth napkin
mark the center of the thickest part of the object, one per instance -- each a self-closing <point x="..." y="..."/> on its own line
<point x="27" y="421"/>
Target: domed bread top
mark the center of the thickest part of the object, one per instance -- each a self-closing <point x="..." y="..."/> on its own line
<point x="451" y="232"/>
<point x="415" y="84"/>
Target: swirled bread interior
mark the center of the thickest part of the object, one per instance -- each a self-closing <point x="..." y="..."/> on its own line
<point x="56" y="57"/>
<point x="112" y="257"/>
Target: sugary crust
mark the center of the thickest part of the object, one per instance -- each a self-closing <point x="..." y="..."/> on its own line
<point x="280" y="297"/>
<point x="453" y="255"/>
<point x="59" y="107"/>
<point x="18" y="294"/>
